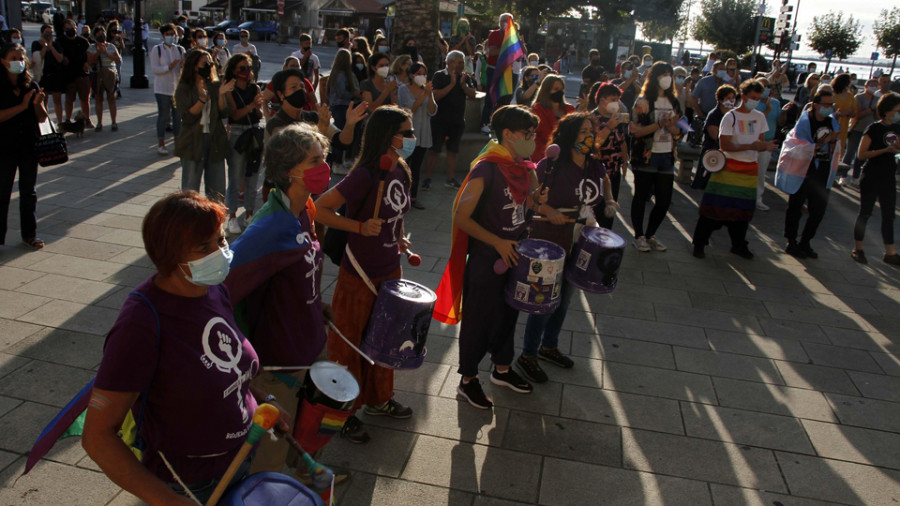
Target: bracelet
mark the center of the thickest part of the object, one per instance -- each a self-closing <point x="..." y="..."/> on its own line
<point x="360" y="228"/>
<point x="201" y="100"/>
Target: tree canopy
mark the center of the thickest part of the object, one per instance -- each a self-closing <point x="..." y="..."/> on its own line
<point x="833" y="31"/>
<point x="887" y="31"/>
<point x="726" y="24"/>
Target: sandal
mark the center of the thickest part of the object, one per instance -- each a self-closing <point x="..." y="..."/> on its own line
<point x="34" y="242"/>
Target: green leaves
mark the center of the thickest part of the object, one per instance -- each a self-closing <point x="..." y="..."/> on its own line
<point x="726" y="24"/>
<point x="832" y="31"/>
<point x="887" y="31"/>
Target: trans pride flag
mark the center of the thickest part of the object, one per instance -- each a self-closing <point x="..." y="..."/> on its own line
<point x="510" y="50"/>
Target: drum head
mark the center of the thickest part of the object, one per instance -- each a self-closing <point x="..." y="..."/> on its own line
<point x="606" y="237"/>
<point x="540" y="249"/>
<point x="714" y="160"/>
<point x="334" y="381"/>
<point x="409" y="290"/>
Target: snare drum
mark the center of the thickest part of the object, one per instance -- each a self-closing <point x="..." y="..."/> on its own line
<point x="329" y="391"/>
<point x="595" y="262"/>
<point x="398" y="326"/>
<point x="535" y="283"/>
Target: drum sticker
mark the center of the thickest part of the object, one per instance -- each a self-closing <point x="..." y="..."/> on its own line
<point x="556" y="289"/>
<point x="419" y="331"/>
<point x="539" y="298"/>
<point x="609" y="263"/>
<point x="536" y="267"/>
<point x="521" y="291"/>
<point x="546" y="272"/>
<point x="584" y="259"/>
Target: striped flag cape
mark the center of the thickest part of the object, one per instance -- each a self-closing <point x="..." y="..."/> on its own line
<point x="510" y="50"/>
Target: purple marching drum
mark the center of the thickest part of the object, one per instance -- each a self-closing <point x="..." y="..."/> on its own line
<point x="595" y="260"/>
<point x="396" y="333"/>
<point x="268" y="488"/>
<point x="535" y="283"/>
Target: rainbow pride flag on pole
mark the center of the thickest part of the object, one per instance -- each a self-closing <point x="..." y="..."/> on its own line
<point x="510" y="50"/>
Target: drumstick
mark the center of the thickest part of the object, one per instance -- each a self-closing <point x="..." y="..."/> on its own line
<point x="321" y="475"/>
<point x="413" y="259"/>
<point x="299" y="367"/>
<point x="545" y="218"/>
<point x="265" y="418"/>
<point x="334" y="328"/>
<point x="385" y="165"/>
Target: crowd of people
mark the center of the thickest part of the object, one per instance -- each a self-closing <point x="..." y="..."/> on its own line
<point x="375" y="120"/>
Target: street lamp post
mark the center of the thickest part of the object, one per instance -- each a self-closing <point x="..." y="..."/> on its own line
<point x="138" y="76"/>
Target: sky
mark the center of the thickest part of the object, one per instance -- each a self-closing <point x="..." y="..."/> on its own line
<point x="864" y="11"/>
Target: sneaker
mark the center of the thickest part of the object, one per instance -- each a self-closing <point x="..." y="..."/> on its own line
<point x="99" y="127"/>
<point x="761" y="206"/>
<point x="892" y="259"/>
<point x="246" y="219"/>
<point x="698" y="252"/>
<point x="418" y="205"/>
<point x="743" y="252"/>
<point x="118" y="94"/>
<point x="353" y="431"/>
<point x="426" y="185"/>
<point x="553" y="356"/>
<point x="473" y="393"/>
<point x="531" y="369"/>
<point x="486" y="129"/>
<point x="452" y="183"/>
<point x="233" y="226"/>
<point x="808" y="251"/>
<point x="641" y="244"/>
<point x="114" y="127"/>
<point x="793" y="249"/>
<point x="654" y="244"/>
<point x="240" y="196"/>
<point x="390" y="408"/>
<point x="510" y="380"/>
<point x="162" y="151"/>
<point x="859" y="255"/>
<point x="840" y="182"/>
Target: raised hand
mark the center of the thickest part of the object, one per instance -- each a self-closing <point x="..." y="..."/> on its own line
<point x="357" y="114"/>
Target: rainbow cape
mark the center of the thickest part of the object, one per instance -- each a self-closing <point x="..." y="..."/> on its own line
<point x="510" y="50"/>
<point x="448" y="307"/>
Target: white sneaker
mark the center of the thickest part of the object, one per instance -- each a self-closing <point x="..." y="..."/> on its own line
<point x="761" y="206"/>
<point x="162" y="151"/>
<point x="233" y="226"/>
<point x="840" y="182"/>
<point x="641" y="244"/>
<point x="486" y="129"/>
<point x="654" y="243"/>
<point x="245" y="220"/>
<point x="341" y="169"/>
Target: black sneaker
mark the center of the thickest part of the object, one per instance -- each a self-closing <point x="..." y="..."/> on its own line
<point x="743" y="252"/>
<point x="510" y="380"/>
<point x="473" y="393"/>
<point x="808" y="251"/>
<point x="553" y="356"/>
<point x="531" y="369"/>
<point x="859" y="255"/>
<point x="426" y="185"/>
<point x="390" y="408"/>
<point x="891" y="259"/>
<point x="353" y="431"/>
<point x="699" y="252"/>
<point x="793" y="249"/>
<point x="452" y="183"/>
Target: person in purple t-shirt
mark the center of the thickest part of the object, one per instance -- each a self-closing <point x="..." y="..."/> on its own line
<point x="375" y="244"/>
<point x="578" y="188"/>
<point x="192" y="363"/>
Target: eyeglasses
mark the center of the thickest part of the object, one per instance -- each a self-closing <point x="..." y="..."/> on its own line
<point x="529" y="134"/>
<point x="409" y="134"/>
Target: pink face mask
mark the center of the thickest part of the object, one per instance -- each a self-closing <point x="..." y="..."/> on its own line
<point x="317" y="178"/>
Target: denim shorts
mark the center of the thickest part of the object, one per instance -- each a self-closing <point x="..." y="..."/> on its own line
<point x="661" y="163"/>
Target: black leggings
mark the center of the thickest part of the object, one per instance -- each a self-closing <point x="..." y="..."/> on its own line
<point x="415" y="165"/>
<point x="660" y="186"/>
<point x="25" y="162"/>
<point x="884" y="189"/>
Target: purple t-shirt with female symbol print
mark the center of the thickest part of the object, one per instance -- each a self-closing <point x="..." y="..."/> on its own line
<point x="198" y="378"/>
<point x="499" y="214"/>
<point x="378" y="255"/>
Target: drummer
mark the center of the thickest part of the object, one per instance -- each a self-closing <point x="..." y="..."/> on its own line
<point x="375" y="245"/>
<point x="488" y="219"/>
<point x="276" y="280"/>
<point x="176" y="355"/>
<point x="574" y="181"/>
<point x="729" y="199"/>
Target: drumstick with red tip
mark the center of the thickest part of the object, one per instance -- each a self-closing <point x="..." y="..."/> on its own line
<point x="413" y="259"/>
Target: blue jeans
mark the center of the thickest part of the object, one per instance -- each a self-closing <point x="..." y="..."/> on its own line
<point x="853" y="139"/>
<point x="237" y="164"/>
<point x="212" y="173"/>
<point x="165" y="110"/>
<point x="543" y="329"/>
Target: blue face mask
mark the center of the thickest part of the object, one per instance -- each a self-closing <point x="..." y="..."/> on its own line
<point x="409" y="145"/>
<point x="169" y="40"/>
<point x="220" y="42"/>
<point x="766" y="93"/>
<point x="627" y="74"/>
<point x="211" y="269"/>
<point x="895" y="118"/>
<point x="826" y="111"/>
<point x="723" y="74"/>
<point x="751" y="104"/>
<point x="679" y="80"/>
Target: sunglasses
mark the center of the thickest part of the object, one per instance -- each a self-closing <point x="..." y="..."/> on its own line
<point x="243" y="68"/>
<point x="409" y="134"/>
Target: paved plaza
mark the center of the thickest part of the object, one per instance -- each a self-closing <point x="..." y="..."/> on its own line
<point x="697" y="382"/>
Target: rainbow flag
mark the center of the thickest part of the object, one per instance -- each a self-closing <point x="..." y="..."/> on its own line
<point x="510" y="50"/>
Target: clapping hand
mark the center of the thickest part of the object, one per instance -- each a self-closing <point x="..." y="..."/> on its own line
<point x="357" y="114"/>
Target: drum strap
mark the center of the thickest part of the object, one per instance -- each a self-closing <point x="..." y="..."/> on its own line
<point x="359" y="270"/>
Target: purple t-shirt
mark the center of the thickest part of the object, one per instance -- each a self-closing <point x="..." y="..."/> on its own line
<point x="378" y="255"/>
<point x="499" y="213"/>
<point x="198" y="377"/>
<point x="570" y="186"/>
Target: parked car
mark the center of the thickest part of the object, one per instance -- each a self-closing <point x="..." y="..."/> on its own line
<point x="222" y="26"/>
<point x="260" y="30"/>
<point x="37" y="9"/>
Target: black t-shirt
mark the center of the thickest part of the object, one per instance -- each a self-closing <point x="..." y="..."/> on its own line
<point x="881" y="136"/>
<point x="243" y="98"/>
<point x="629" y="94"/>
<point x="75" y="50"/>
<point x="714" y="118"/>
<point x="820" y="129"/>
<point x="451" y="108"/>
<point x="20" y="131"/>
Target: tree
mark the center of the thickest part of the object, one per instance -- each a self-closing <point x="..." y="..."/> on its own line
<point x="727" y="24"/>
<point x="832" y="32"/>
<point x="887" y="33"/>
<point x="418" y="18"/>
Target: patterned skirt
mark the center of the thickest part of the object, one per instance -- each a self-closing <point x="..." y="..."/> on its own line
<point x="731" y="193"/>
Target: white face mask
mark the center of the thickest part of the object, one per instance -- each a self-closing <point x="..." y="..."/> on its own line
<point x="202" y="42"/>
<point x="612" y="107"/>
<point x="211" y="269"/>
<point x="420" y="80"/>
<point x="728" y="104"/>
<point x="665" y="82"/>
<point x="533" y="63"/>
<point x="871" y="89"/>
<point x="383" y="71"/>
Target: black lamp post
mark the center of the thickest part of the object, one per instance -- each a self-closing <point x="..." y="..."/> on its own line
<point x="138" y="77"/>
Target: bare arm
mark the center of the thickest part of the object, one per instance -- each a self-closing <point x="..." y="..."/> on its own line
<point x="864" y="153"/>
<point x="325" y="214"/>
<point x="463" y="219"/>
